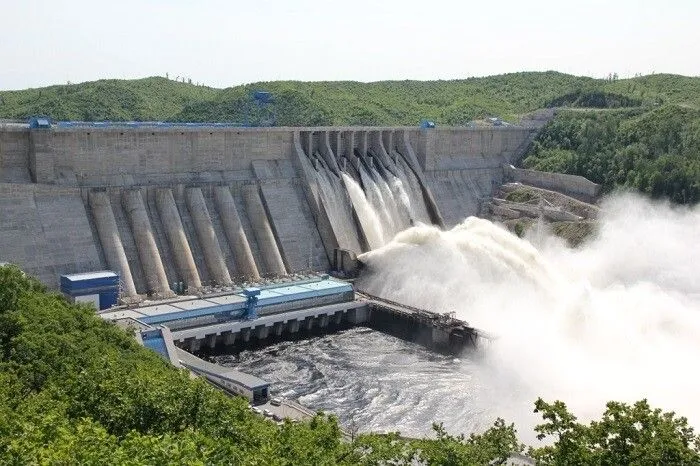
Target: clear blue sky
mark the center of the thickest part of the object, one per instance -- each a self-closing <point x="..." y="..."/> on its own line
<point x="224" y="43"/>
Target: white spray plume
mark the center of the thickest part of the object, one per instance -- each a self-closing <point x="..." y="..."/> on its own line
<point x="617" y="319"/>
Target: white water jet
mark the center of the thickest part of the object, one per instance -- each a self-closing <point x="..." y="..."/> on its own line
<point x="375" y="199"/>
<point x="618" y="319"/>
<point x="399" y="220"/>
<point x="338" y="209"/>
<point x="369" y="219"/>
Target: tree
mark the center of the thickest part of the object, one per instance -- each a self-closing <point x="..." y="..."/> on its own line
<point x="627" y="434"/>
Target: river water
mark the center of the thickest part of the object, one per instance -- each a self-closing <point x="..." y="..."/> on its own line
<point x="380" y="382"/>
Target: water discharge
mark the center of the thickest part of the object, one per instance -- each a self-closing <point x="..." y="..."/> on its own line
<point x="368" y="218"/>
<point x="618" y="319"/>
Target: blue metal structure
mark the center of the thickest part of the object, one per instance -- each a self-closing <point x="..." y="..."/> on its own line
<point x="153" y="339"/>
<point x="101" y="287"/>
<point x="246" y="304"/>
<point x="251" y="294"/>
<point x="40" y="122"/>
<point x="264" y="101"/>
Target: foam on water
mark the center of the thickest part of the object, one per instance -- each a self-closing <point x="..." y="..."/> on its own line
<point x="618" y="319"/>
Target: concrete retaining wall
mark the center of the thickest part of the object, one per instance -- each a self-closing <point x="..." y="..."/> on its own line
<point x="572" y="185"/>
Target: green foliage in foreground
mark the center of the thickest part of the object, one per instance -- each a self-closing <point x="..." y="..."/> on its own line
<point x="77" y="390"/>
<point x="655" y="151"/>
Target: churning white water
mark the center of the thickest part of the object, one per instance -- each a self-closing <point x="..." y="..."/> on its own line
<point x="618" y="319"/>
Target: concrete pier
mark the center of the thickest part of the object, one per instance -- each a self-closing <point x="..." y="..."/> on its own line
<point x="243" y="256"/>
<point x="263" y="232"/>
<point x="109" y="239"/>
<point x="146" y="243"/>
<point x="177" y="238"/>
<point x="207" y="238"/>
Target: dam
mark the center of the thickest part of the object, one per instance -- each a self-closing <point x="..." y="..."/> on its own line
<point x="195" y="208"/>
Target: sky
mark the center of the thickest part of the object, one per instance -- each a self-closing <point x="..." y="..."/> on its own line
<point x="226" y="43"/>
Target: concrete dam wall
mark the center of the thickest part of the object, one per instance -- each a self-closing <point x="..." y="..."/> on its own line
<point x="208" y="206"/>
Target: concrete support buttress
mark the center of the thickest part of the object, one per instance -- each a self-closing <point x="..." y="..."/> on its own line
<point x="261" y="332"/>
<point x="109" y="238"/>
<point x="175" y="233"/>
<point x="323" y="321"/>
<point x="377" y="145"/>
<point x="229" y="338"/>
<point x="326" y="151"/>
<point x="293" y="326"/>
<point x="233" y="228"/>
<point x="141" y="229"/>
<point x="362" y="145"/>
<point x="195" y="345"/>
<point x="263" y="231"/>
<point x="207" y="237"/>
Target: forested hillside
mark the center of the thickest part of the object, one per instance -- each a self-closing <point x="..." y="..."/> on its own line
<point x="77" y="390"/>
<point x="655" y="151"/>
<point x="454" y="102"/>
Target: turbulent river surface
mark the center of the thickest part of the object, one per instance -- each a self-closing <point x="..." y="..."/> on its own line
<point x="378" y="381"/>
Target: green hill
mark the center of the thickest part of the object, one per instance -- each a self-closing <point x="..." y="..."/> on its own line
<point x="453" y="102"/>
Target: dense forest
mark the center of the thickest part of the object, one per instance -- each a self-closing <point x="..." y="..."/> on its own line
<point x="77" y="390"/>
<point x="655" y="151"/>
<point x="641" y="133"/>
